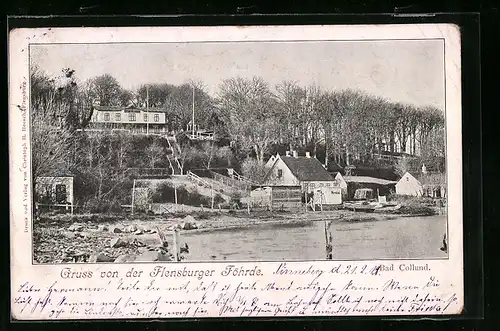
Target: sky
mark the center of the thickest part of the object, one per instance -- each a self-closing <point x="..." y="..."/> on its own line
<point x="401" y="71"/>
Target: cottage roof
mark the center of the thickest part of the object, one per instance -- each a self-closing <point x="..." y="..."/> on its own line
<point x="368" y="180"/>
<point x="430" y="178"/>
<point x="307" y="168"/>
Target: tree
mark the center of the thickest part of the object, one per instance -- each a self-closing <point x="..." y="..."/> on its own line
<point x="123" y="147"/>
<point x="106" y="91"/>
<point x="253" y="169"/>
<point x="209" y="152"/>
<point x="155" y="153"/>
<point x="51" y="136"/>
<point x="401" y="166"/>
<point x="290" y="102"/>
<point x="225" y="153"/>
<point x="249" y="109"/>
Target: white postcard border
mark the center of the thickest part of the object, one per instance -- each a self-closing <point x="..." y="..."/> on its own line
<point x="449" y="271"/>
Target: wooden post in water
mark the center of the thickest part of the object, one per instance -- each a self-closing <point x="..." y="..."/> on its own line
<point x="176" y="247"/>
<point x="213" y="197"/>
<point x="133" y="197"/>
<point x="175" y="193"/>
<point x="305" y="198"/>
<point x="248" y="208"/>
<point x="328" y="244"/>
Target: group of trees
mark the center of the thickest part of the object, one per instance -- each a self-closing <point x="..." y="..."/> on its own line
<point x="348" y="126"/>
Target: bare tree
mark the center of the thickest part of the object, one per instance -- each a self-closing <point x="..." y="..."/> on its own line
<point x="106" y="91"/>
<point x="253" y="169"/>
<point x="402" y="166"/>
<point x="249" y="111"/>
<point x="155" y="153"/>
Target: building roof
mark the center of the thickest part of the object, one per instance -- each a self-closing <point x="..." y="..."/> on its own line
<point x="368" y="180"/>
<point x="306" y="168"/>
<point x="130" y="109"/>
<point x="430" y="178"/>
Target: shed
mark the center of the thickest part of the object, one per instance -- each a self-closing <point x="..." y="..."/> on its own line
<point x="427" y="184"/>
<point x="378" y="185"/>
<point x="56" y="191"/>
<point x="277" y="197"/>
<point x="409" y="185"/>
<point x="340" y="182"/>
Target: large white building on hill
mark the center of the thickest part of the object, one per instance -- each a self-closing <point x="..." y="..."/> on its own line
<point x="131" y="119"/>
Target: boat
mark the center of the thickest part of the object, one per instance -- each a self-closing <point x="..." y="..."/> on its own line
<point x="360" y="206"/>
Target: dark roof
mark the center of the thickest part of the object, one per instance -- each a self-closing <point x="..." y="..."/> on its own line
<point x="430" y="178"/>
<point x="307" y="168"/>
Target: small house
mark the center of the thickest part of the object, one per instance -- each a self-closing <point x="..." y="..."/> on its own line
<point x="431" y="185"/>
<point x="55" y="191"/>
<point x="340" y="182"/>
<point x="380" y="186"/>
<point x="409" y="185"/>
<point x="306" y="172"/>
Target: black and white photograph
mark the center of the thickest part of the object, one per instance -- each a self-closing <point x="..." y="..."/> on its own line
<point x="238" y="151"/>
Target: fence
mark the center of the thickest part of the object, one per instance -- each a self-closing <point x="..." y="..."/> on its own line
<point x="234" y="183"/>
<point x="276" y="198"/>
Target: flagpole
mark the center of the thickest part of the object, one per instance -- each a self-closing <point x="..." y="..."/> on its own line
<point x="192" y="122"/>
<point x="147" y="110"/>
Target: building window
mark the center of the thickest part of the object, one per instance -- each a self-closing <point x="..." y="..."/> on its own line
<point x="157" y="117"/>
<point x="131" y="117"/>
<point x="118" y="117"/>
<point x="106" y="117"/>
<point x="280" y="173"/>
<point x="312" y="185"/>
<point x="145" y="117"/>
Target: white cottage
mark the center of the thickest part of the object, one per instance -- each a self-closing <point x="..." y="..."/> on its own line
<point x="306" y="172"/>
<point x="409" y="185"/>
<point x="431" y="185"/>
<point x="340" y="182"/>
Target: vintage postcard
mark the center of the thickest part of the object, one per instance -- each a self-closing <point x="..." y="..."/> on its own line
<point x="192" y="172"/>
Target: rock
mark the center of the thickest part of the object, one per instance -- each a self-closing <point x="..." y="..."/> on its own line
<point x="116" y="230"/>
<point x="173" y="227"/>
<point x="100" y="258"/>
<point x="153" y="231"/>
<point x="138" y="232"/>
<point x="189" y="219"/>
<point x="69" y="235"/>
<point x="188" y="223"/>
<point x="79" y="257"/>
<point x="130" y="228"/>
<point x="80" y="235"/>
<point x="137" y="243"/>
<point x="118" y="242"/>
<point x="189" y="226"/>
<point x="125" y="258"/>
<point x="102" y="228"/>
<point x="75" y="227"/>
<point x="152" y="256"/>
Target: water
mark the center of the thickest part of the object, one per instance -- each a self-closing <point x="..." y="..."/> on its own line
<point x="399" y="238"/>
